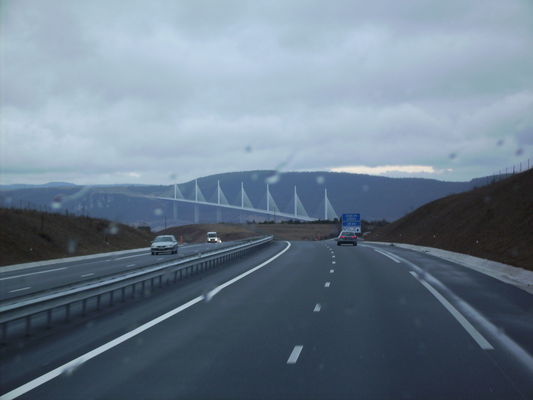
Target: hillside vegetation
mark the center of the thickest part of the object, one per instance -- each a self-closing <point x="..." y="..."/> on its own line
<point x="493" y="222"/>
<point x="28" y="235"/>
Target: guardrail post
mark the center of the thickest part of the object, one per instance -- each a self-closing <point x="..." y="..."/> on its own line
<point x="28" y="325"/>
<point x="67" y="312"/>
<point x="98" y="300"/>
<point x="4" y="332"/>
<point x="123" y="294"/>
<point x="111" y="298"/>
<point x="49" y="319"/>
<point x="83" y="307"/>
<point x="160" y="281"/>
<point x="143" y="288"/>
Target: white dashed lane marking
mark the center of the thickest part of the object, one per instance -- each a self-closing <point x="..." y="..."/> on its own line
<point x="293" y="358"/>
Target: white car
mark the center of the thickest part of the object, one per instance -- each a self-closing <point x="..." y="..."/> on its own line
<point x="212" y="237"/>
<point x="163" y="244"/>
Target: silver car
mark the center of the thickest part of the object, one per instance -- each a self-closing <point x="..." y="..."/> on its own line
<point x="348" y="237"/>
<point x="163" y="244"/>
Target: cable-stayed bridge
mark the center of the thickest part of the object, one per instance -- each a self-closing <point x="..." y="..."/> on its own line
<point x="297" y="212"/>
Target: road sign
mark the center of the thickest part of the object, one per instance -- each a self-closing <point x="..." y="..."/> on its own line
<point x="351" y="222"/>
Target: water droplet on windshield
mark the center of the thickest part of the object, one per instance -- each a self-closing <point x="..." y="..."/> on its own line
<point x="71" y="246"/>
<point x="320" y="180"/>
<point x="158" y="212"/>
<point x="113" y="229"/>
<point x="248" y="149"/>
<point x="56" y="202"/>
<point x="365" y="188"/>
<point x="273" y="179"/>
<point x="519" y="151"/>
<point x="500" y="142"/>
<point x="452" y="156"/>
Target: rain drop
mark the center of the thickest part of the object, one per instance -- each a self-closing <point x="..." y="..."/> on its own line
<point x="113" y="229"/>
<point x="271" y="180"/>
<point x="71" y="247"/>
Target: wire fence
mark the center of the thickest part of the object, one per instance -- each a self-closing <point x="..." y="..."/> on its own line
<point x="511" y="170"/>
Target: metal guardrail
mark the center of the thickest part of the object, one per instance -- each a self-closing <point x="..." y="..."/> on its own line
<point x="23" y="316"/>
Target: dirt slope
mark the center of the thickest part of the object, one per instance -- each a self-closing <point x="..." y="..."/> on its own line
<point x="493" y="222"/>
<point x="197" y="233"/>
<point x="28" y="235"/>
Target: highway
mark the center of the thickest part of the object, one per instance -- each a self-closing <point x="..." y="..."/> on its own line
<point x="299" y="320"/>
<point x="39" y="278"/>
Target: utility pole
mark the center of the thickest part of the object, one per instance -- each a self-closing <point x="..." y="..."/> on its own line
<point x="175" y="191"/>
<point x="218" y="192"/>
<point x="196" y="190"/>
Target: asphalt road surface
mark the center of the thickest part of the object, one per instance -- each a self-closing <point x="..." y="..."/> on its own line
<point x="36" y="279"/>
<point x="316" y="322"/>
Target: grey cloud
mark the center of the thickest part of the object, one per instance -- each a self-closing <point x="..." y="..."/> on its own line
<point x="105" y="88"/>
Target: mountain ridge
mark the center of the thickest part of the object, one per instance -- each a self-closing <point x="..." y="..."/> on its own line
<point x="375" y="197"/>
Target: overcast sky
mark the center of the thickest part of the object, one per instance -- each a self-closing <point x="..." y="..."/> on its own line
<point x="163" y="91"/>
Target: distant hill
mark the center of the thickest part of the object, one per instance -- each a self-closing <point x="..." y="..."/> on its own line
<point x="493" y="222"/>
<point x="27" y="186"/>
<point x="374" y="197"/>
<point x="29" y="235"/>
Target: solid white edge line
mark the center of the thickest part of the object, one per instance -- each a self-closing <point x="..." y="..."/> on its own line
<point x="327" y="284"/>
<point x="388" y="255"/>
<point x="75" y="363"/>
<point x="295" y="353"/>
<point x="317" y="308"/>
<point x="473" y="332"/>
<point x="331" y="271"/>
<point x="19" y="290"/>
<point x="135" y="255"/>
<point x="86" y="275"/>
<point x="32" y="273"/>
